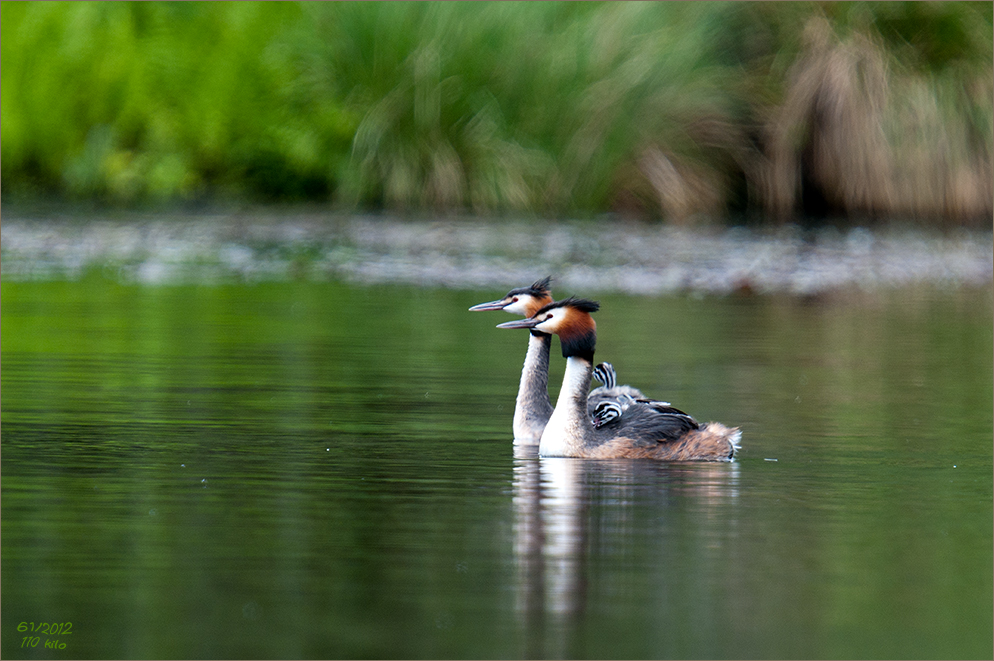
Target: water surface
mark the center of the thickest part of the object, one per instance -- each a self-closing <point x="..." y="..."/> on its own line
<point x="306" y="469"/>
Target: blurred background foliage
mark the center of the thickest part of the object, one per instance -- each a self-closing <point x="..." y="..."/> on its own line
<point x="689" y="112"/>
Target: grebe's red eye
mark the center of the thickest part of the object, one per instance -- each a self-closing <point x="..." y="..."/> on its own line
<point x="514" y="300"/>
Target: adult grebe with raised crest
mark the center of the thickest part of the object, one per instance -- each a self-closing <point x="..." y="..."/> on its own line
<point x="533" y="408"/>
<point x="642" y="431"/>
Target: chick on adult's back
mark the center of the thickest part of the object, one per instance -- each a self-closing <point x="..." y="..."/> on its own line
<point x="610" y="391"/>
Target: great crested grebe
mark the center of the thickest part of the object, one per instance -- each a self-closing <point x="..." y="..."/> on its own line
<point x="642" y="431"/>
<point x="533" y="408"/>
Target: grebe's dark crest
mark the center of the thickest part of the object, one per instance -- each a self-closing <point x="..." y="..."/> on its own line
<point x="646" y="429"/>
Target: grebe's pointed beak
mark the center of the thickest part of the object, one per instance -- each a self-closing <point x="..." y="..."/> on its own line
<point x="492" y="305"/>
<point x="520" y="323"/>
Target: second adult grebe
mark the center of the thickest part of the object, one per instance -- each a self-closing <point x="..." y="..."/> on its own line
<point x="642" y="432"/>
<point x="532" y="408"/>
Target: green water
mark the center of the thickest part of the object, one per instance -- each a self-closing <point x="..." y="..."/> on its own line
<point x="318" y="470"/>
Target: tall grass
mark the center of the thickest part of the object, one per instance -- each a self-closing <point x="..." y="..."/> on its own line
<point x="866" y="133"/>
<point x="684" y="111"/>
<point x="125" y="101"/>
<point x="513" y="106"/>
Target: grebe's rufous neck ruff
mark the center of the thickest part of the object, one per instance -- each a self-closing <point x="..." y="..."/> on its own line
<point x="569" y="319"/>
<point x="577" y="330"/>
<point x="579" y="342"/>
<point x="542" y="294"/>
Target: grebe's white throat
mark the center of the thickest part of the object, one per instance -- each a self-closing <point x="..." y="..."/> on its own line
<point x="569" y="421"/>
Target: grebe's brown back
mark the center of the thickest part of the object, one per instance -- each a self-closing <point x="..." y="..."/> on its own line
<point x="643" y="431"/>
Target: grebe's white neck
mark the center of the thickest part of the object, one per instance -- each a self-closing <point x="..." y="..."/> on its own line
<point x="532" y="407"/>
<point x="569" y="427"/>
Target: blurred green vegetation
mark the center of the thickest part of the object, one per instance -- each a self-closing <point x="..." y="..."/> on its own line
<point x="683" y="111"/>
